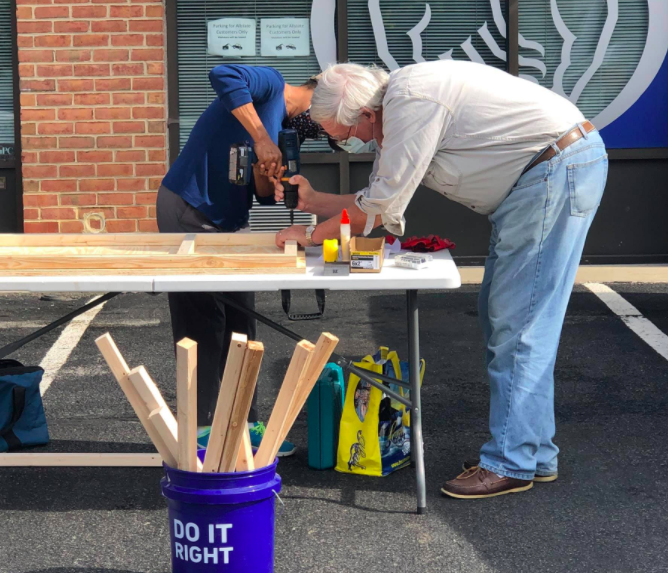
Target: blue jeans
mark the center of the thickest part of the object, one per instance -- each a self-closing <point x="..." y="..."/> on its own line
<point x="538" y="234"/>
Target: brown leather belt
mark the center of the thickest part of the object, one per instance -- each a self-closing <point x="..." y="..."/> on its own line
<point x="562" y="143"/>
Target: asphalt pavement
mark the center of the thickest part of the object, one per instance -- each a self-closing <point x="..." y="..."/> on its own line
<point x="605" y="513"/>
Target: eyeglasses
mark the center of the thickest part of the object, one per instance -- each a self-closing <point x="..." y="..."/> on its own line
<point x="345" y="140"/>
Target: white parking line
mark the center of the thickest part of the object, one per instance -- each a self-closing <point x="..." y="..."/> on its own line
<point x="632" y="317"/>
<point x="67" y="341"/>
<point x="34" y="324"/>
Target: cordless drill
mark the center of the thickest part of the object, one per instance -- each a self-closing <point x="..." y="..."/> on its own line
<point x="288" y="143"/>
<point x="242" y="158"/>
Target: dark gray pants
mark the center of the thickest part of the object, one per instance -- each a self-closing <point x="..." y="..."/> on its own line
<point x="202" y="316"/>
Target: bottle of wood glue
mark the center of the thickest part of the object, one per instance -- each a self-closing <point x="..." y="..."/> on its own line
<point x="345" y="236"/>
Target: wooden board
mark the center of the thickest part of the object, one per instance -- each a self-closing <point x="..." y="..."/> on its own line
<point x="116" y="460"/>
<point x="271" y="441"/>
<point x="168" y="253"/>
<point x="186" y="403"/>
<point x="228" y="390"/>
<point x="242" y="403"/>
<point x="121" y="372"/>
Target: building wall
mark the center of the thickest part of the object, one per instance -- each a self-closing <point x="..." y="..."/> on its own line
<point x="93" y="112"/>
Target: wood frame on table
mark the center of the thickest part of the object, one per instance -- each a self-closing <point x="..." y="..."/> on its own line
<point x="150" y="253"/>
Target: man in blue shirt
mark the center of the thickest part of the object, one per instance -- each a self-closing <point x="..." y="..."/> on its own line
<point x="196" y="196"/>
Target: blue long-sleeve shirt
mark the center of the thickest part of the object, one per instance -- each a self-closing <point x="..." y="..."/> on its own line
<point x="200" y="174"/>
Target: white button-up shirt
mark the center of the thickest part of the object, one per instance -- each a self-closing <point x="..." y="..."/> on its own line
<point x="463" y="129"/>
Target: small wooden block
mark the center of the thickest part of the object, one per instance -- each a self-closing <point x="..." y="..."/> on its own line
<point x="225" y="403"/>
<point x="242" y="404"/>
<point x="186" y="403"/>
<point x="188" y="245"/>
<point x="291" y="248"/>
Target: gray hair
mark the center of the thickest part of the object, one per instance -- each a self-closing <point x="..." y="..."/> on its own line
<point x="344" y="89"/>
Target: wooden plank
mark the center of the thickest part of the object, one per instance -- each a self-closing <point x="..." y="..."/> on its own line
<point x="119" y="367"/>
<point x="299" y="269"/>
<point x="225" y="403"/>
<point x="323" y="351"/>
<point x="242" y="403"/>
<point x="188" y="245"/>
<point x="153" y="400"/>
<point x="152" y="261"/>
<point x="245" y="461"/>
<point x="117" y="460"/>
<point x="101" y="239"/>
<point x="164" y="422"/>
<point x="120" y="370"/>
<point x="221" y="239"/>
<point x="186" y="403"/>
<point x="146" y="388"/>
<point x="105" y="251"/>
<point x="296" y="370"/>
<point x="136" y="239"/>
<point x="320" y="356"/>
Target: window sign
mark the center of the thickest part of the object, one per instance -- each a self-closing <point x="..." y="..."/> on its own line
<point x="285" y="37"/>
<point x="231" y="37"/>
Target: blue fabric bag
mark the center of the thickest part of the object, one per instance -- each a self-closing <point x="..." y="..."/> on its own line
<point x="22" y="418"/>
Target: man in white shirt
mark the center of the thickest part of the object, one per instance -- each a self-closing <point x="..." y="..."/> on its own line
<point x="506" y="148"/>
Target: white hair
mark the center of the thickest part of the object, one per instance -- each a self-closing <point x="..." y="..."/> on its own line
<point x="344" y="89"/>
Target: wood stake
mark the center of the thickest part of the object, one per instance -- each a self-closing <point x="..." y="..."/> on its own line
<point x="153" y="400"/>
<point x="242" y="404"/>
<point x="120" y="370"/>
<point x="228" y="390"/>
<point x="164" y="422"/>
<point x="245" y="461"/>
<point x="296" y="370"/>
<point x="319" y="358"/>
<point x="321" y="355"/>
<point x="147" y="389"/>
<point x="186" y="403"/>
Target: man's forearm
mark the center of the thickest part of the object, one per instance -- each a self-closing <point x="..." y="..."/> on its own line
<point x="329" y="205"/>
<point x="251" y="121"/>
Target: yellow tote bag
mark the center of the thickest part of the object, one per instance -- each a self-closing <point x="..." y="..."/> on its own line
<point x="359" y="451"/>
<point x="375" y="433"/>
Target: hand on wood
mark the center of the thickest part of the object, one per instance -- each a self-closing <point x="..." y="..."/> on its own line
<point x="294" y="233"/>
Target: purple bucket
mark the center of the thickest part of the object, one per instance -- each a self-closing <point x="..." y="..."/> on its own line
<point x="221" y="521"/>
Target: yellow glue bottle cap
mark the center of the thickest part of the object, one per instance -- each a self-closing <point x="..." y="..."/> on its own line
<point x="330" y="250"/>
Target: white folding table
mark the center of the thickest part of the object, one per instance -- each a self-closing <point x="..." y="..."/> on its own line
<point x="442" y="273"/>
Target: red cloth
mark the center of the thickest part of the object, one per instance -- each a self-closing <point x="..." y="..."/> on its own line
<point x="428" y="244"/>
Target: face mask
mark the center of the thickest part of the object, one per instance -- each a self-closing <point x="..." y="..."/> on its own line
<point x="356" y="145"/>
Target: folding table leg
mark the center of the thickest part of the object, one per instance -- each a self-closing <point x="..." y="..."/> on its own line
<point x="416" y="411"/>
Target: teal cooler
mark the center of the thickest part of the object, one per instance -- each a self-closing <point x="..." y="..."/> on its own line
<point x="324" y="407"/>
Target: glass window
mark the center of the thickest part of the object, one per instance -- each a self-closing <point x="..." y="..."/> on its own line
<point x="397" y="33"/>
<point x="6" y="80"/>
<point x="588" y="50"/>
<point x="194" y="61"/>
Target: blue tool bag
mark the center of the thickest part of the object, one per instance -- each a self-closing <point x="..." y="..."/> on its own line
<point x="22" y="419"/>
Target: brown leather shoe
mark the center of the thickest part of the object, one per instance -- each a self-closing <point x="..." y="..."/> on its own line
<point x="468" y="464"/>
<point x="478" y="483"/>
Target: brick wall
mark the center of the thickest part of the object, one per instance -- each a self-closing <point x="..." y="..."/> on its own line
<point x="93" y="109"/>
